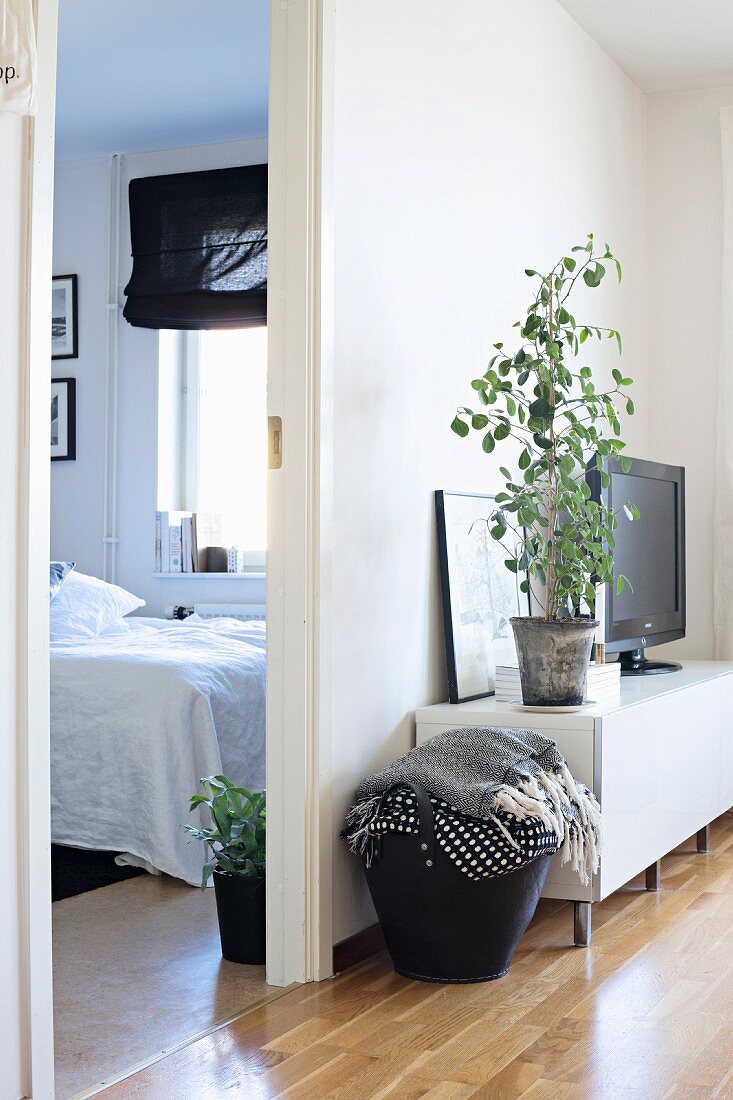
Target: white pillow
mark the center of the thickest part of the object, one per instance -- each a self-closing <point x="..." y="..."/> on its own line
<point x="85" y="606"/>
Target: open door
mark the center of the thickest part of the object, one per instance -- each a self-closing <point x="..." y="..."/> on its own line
<point x="300" y="281"/>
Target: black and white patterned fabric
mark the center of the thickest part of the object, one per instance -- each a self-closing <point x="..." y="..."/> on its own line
<point x="482" y="772"/>
<point x="479" y="848"/>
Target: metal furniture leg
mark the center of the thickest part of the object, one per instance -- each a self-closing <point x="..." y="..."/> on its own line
<point x="654" y="875"/>
<point x="581" y="923"/>
<point x="703" y="839"/>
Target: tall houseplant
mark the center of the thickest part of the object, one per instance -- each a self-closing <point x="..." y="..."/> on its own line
<point x="236" y="838"/>
<point x="557" y="418"/>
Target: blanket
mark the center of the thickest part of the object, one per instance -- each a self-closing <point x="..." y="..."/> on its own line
<point x="485" y="773"/>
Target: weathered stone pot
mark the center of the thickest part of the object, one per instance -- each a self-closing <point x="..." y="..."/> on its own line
<point x="553" y="659"/>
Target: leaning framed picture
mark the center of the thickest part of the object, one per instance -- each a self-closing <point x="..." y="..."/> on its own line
<point x="64" y="318"/>
<point x="63" y="418"/>
<point x="479" y="594"/>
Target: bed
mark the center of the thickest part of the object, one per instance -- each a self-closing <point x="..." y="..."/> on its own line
<point x="139" y="713"/>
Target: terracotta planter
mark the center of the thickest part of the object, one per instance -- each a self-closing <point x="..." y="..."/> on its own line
<point x="553" y="659"/>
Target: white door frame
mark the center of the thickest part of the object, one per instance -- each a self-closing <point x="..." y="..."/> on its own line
<point x="300" y="301"/>
<point x="298" y="591"/>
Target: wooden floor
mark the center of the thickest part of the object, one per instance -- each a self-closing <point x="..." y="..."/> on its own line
<point x="646" y="1012"/>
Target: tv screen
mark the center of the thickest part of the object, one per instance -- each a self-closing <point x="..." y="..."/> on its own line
<point x="646" y="549"/>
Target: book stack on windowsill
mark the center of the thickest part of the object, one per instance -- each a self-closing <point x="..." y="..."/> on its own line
<point x="182" y="537"/>
<point x="603" y="684"/>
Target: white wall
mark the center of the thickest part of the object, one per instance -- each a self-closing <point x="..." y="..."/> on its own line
<point x="81" y="214"/>
<point x="472" y="140"/>
<point x="685" y="239"/>
<point x="11" y="1056"/>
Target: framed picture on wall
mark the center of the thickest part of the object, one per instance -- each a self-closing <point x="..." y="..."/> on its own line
<point x="479" y="594"/>
<point x="63" y="418"/>
<point x="64" y="318"/>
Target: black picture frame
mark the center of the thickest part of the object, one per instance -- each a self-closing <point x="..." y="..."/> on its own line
<point x="63" y="419"/>
<point x="65" y="300"/>
<point x="479" y="594"/>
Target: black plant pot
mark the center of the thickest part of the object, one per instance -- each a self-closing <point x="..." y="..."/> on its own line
<point x="440" y="925"/>
<point x="553" y="658"/>
<point x="240" y="906"/>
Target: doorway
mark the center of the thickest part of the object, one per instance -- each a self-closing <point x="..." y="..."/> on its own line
<point x="297" y="916"/>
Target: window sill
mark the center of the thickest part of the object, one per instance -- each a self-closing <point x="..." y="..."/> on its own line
<point x="211" y="576"/>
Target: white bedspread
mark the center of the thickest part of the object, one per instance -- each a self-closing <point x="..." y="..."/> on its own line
<point x="138" y="716"/>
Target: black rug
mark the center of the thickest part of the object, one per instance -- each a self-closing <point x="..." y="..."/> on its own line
<point x="78" y="870"/>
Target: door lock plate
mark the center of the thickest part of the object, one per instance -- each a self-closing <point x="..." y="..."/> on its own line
<point x="274" y="442"/>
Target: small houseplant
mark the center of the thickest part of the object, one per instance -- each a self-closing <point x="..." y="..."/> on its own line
<point x="237" y="842"/>
<point x="558" y="539"/>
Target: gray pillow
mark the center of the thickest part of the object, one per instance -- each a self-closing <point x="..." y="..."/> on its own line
<point x="58" y="574"/>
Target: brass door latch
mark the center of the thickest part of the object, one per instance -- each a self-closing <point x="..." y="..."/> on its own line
<point x="274" y="442"/>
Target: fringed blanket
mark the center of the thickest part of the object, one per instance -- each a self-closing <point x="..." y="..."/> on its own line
<point x="487" y="774"/>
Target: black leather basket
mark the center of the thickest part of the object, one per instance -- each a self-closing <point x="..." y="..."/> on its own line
<point x="439" y="924"/>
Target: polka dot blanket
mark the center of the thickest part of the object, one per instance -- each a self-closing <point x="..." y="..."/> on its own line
<point x="479" y="849"/>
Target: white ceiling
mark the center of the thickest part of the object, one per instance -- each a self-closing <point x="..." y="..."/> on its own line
<point x="663" y="45"/>
<point x="136" y="75"/>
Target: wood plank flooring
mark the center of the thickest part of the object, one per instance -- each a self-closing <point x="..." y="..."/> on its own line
<point x="645" y="1012"/>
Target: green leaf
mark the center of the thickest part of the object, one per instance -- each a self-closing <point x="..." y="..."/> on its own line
<point x="487" y="443"/>
<point x="479" y="421"/>
<point x="541" y="408"/>
<point x="625" y="464"/>
<point x="542" y="441"/>
<point x="459" y="427"/>
<point x="524" y="459"/>
<point x="569" y="263"/>
<point x="530" y="272"/>
<point x="629" y="406"/>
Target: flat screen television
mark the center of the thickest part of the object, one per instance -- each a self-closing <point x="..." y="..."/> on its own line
<point x="650" y="551"/>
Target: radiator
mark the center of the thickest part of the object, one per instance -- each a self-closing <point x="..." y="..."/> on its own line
<point x="246" y="612"/>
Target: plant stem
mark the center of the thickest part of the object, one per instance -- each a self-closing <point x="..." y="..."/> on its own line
<point x="551" y="574"/>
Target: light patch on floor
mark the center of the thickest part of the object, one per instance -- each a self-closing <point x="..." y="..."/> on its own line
<point x="137" y="970"/>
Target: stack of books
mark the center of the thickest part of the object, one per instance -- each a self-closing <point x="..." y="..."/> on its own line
<point x="180" y="538"/>
<point x="603" y="684"/>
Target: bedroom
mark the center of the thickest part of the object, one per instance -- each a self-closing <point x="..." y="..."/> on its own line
<point x="160" y="421"/>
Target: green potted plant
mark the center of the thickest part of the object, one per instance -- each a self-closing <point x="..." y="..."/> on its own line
<point x="557" y="420"/>
<point x="237" y="842"/>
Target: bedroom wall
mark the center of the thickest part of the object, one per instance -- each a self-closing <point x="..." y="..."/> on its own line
<point x="685" y="239"/>
<point x="81" y="213"/>
<point x="472" y="140"/>
<point x="11" y="669"/>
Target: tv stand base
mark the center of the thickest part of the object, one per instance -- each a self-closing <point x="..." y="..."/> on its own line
<point x="634" y="663"/>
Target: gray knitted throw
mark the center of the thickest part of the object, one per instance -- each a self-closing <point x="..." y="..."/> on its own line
<point x="484" y="770"/>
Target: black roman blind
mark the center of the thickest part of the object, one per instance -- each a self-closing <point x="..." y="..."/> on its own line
<point x="199" y="249"/>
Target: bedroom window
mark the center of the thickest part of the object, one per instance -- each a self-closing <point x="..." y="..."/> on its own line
<point x="212" y="431"/>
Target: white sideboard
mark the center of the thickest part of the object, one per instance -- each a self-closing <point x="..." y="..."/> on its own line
<point x="660" y="762"/>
